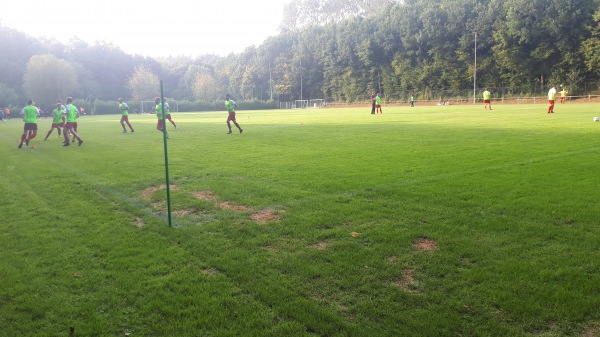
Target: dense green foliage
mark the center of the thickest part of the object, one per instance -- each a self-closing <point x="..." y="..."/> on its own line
<point x="507" y="200"/>
<point x="421" y="47"/>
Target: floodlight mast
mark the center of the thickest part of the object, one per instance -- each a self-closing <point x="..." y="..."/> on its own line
<point x="475" y="72"/>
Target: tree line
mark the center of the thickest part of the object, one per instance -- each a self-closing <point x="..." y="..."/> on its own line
<point x="337" y="50"/>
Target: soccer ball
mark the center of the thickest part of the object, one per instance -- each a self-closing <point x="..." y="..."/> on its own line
<point x="596" y="119"/>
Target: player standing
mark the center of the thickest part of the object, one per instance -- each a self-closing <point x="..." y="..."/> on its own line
<point x="378" y="104"/>
<point x="230" y="105"/>
<point x="551" y="97"/>
<point x="30" y="118"/>
<point x="563" y="95"/>
<point x="72" y="113"/>
<point x="58" y="121"/>
<point x="487" y="99"/>
<point x="124" y="115"/>
<point x="373" y="102"/>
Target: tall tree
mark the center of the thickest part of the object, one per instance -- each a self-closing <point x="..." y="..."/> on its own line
<point x="48" y="78"/>
<point x="143" y="84"/>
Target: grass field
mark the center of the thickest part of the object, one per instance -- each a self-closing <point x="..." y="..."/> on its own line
<point x="430" y="221"/>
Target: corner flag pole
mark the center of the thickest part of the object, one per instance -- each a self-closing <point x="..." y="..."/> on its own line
<point x="165" y="136"/>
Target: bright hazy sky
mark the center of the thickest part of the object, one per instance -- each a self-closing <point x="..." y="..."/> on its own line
<point x="150" y="27"/>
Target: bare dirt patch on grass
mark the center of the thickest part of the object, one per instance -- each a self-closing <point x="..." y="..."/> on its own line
<point x="593" y="331"/>
<point x="425" y="244"/>
<point x="321" y="245"/>
<point x="408" y="282"/>
<point x="205" y="195"/>
<point x="139" y="223"/>
<point x="147" y="193"/>
<point x="183" y="212"/>
<point x="233" y="207"/>
<point x="211" y="271"/>
<point x="265" y="216"/>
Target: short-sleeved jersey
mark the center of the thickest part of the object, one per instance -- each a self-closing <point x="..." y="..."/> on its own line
<point x="71" y="113"/>
<point x="57" y="116"/>
<point x="378" y="100"/>
<point x="486" y="95"/>
<point x="167" y="109"/>
<point x="552" y="94"/>
<point x="30" y="113"/>
<point x="159" y="111"/>
<point x="124" y="109"/>
<point x="412" y="98"/>
<point x="563" y="93"/>
<point x="230" y="105"/>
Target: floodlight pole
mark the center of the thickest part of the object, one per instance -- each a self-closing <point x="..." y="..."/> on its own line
<point x="475" y="72"/>
<point x="165" y="134"/>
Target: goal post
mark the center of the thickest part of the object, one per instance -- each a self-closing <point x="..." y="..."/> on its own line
<point x="316" y="103"/>
<point x="300" y="104"/>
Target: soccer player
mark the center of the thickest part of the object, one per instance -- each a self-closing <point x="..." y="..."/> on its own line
<point x="378" y="104"/>
<point x="30" y="118"/>
<point x="230" y="105"/>
<point x="551" y="97"/>
<point x="124" y="115"/>
<point x="72" y="113"/>
<point x="58" y="121"/>
<point x="159" y="114"/>
<point x="168" y="115"/>
<point x="486" y="99"/>
<point x="563" y="95"/>
<point x="412" y="101"/>
<point x="373" y="102"/>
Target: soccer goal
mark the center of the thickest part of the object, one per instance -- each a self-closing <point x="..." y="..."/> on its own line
<point x="316" y="103"/>
<point x="147" y="107"/>
<point x="300" y="104"/>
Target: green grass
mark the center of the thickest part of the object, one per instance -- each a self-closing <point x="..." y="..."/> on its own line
<point x="509" y="196"/>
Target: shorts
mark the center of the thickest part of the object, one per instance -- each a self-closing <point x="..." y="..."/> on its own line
<point x="551" y="101"/>
<point x="168" y="116"/>
<point x="70" y="125"/>
<point x="160" y="125"/>
<point x="30" y="127"/>
<point x="57" y="125"/>
<point x="124" y="118"/>
<point x="231" y="117"/>
<point x="486" y="101"/>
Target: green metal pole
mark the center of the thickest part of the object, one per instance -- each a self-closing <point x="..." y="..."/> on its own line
<point x="165" y="136"/>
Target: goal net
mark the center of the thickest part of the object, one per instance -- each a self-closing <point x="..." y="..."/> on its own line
<point x="300" y="104"/>
<point x="316" y="103"/>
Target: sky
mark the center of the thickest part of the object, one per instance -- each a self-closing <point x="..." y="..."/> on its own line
<point x="150" y="27"/>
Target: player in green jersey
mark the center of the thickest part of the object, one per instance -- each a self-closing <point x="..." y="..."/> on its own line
<point x="30" y="128"/>
<point x="378" y="104"/>
<point x="72" y="113"/>
<point x="124" y="115"/>
<point x="58" y="121"/>
<point x="487" y="99"/>
<point x="230" y="105"/>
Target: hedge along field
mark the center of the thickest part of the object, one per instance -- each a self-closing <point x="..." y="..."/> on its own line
<point x="425" y="221"/>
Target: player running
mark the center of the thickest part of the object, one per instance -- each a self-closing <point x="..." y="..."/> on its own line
<point x="30" y="118"/>
<point x="58" y="121"/>
<point x="168" y="115"/>
<point x="72" y="113"/>
<point x="124" y="115"/>
<point x="230" y="105"/>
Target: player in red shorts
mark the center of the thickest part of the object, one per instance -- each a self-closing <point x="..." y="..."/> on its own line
<point x="159" y="114"/>
<point x="124" y="115"/>
<point x="30" y="128"/>
<point x="551" y="98"/>
<point x="58" y="121"/>
<point x="230" y="105"/>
